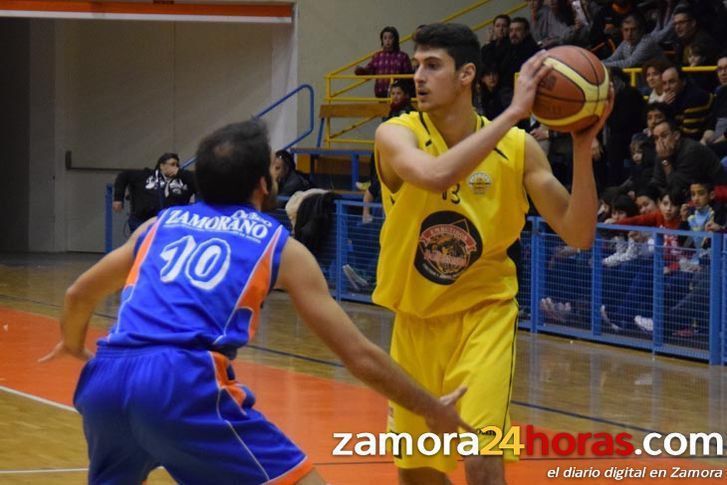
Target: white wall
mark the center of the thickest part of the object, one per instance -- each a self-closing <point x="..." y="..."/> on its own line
<point x="118" y="93"/>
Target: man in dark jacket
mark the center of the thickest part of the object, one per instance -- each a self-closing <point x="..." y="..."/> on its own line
<point x="522" y="47"/>
<point x="153" y="190"/>
<point x="680" y="160"/>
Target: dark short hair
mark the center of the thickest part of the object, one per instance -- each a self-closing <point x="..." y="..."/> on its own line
<point x="502" y="16"/>
<point x="706" y="182"/>
<point x="457" y="39"/>
<point x="489" y="68"/>
<point x="632" y="17"/>
<point x="676" y="195"/>
<point x="392" y="31"/>
<point x="624" y="203"/>
<point x="682" y="75"/>
<point x="406" y="85"/>
<point x="521" y="20"/>
<point x="658" y="63"/>
<point x="230" y="162"/>
<point x="673" y="124"/>
<point x="287" y="159"/>
<point x="165" y="157"/>
<point x="659" y="106"/>
<point x="685" y="10"/>
<point x="649" y="191"/>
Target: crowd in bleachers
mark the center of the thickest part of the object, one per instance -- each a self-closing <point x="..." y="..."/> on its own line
<point x="659" y="161"/>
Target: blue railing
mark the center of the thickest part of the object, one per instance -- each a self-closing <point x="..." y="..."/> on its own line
<point x="677" y="294"/>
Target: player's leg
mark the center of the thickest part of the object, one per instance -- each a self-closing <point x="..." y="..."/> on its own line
<point x="485" y="470"/>
<point x="115" y="457"/>
<point x="202" y="424"/>
<point x="422" y="348"/>
<point x="422" y="476"/>
<point x="486" y="359"/>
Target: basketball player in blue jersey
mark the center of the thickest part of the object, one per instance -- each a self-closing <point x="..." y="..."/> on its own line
<point x="160" y="390"/>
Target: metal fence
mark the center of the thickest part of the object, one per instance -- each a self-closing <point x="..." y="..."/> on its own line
<point x="641" y="287"/>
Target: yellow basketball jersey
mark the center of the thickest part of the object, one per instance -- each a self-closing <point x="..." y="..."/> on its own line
<point x="444" y="253"/>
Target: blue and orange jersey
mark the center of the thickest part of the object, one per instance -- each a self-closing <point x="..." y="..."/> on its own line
<point x="199" y="278"/>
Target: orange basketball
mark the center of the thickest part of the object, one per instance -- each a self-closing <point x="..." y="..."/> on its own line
<point x="573" y="95"/>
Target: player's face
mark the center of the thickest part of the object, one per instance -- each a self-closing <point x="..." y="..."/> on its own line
<point x="169" y="167"/>
<point x="722" y="70"/>
<point x="436" y="79"/>
<point x="700" y="195"/>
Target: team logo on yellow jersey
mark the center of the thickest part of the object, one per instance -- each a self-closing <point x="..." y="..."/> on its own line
<point x="448" y="244"/>
<point x="479" y="182"/>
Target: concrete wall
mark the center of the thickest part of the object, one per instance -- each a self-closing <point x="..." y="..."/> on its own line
<point x="116" y="94"/>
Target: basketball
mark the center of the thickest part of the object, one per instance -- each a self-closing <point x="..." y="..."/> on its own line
<point x="574" y="94"/>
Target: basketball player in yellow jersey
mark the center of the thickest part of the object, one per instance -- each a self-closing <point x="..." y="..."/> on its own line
<point x="454" y="188"/>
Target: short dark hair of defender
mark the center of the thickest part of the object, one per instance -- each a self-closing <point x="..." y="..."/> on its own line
<point x="457" y="39"/>
<point x="230" y="162"/>
<point x="392" y="31"/>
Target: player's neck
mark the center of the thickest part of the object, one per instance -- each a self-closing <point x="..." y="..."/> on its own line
<point x="455" y="123"/>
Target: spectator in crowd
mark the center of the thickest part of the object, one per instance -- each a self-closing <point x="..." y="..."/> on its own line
<point x="636" y="46"/>
<point x="646" y="199"/>
<point x="715" y="136"/>
<point x="554" y="23"/>
<point x="389" y="60"/>
<point x="641" y="165"/>
<point x="689" y="33"/>
<point x="636" y="305"/>
<point x="290" y="180"/>
<point x="652" y="71"/>
<point x="655" y="114"/>
<point x="625" y="120"/>
<point x="690" y="315"/>
<point x="698" y="56"/>
<point x="689" y="104"/>
<point x="681" y="160"/>
<point x="499" y="41"/>
<point x="400" y="91"/>
<point x="153" y="190"/>
<point x="494" y="97"/>
<point x="522" y="47"/>
<point x="711" y="15"/>
<point x="605" y="35"/>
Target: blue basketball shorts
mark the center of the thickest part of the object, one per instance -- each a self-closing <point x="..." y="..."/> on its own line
<point x="183" y="410"/>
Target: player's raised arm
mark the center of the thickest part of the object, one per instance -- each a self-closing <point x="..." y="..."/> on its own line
<point x="572" y="216"/>
<point x="401" y="160"/>
<point x="301" y="276"/>
<point x="100" y="280"/>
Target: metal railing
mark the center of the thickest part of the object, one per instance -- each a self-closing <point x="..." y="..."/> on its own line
<point x="336" y="94"/>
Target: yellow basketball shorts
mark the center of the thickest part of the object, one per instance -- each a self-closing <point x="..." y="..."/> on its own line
<point x="475" y="349"/>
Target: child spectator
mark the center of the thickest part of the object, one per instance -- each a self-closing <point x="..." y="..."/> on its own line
<point x="690" y="315"/>
<point x="655" y="113"/>
<point x="641" y="165"/>
<point x="389" y="60"/>
<point x="400" y="91"/>
<point x="494" y="97"/>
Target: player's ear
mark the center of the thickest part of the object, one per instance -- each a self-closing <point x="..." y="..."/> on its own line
<point x="263" y="186"/>
<point x="467" y="73"/>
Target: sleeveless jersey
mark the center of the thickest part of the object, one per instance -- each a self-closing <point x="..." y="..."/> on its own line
<point x="443" y="253"/>
<point x="199" y="279"/>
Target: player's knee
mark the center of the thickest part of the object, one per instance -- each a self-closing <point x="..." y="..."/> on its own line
<point x="484" y="470"/>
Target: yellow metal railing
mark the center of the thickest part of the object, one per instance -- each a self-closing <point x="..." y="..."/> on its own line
<point x="337" y="95"/>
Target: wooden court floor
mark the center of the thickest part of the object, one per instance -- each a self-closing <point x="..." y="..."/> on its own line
<point x="560" y="386"/>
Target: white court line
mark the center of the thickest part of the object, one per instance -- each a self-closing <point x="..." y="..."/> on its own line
<point x="44" y="470"/>
<point x="38" y="399"/>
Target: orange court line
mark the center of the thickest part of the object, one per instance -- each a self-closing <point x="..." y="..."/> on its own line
<point x="308" y="408"/>
<point x="235" y="10"/>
